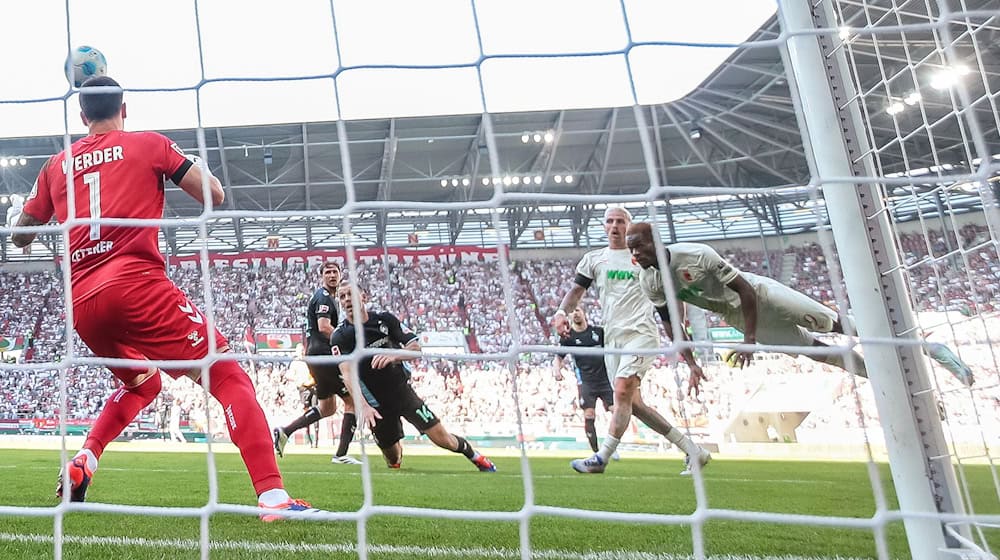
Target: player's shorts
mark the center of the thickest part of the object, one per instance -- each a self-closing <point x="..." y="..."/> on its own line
<point x="147" y="319"/>
<point x="786" y="317"/>
<point x="590" y="392"/>
<point x="405" y="404"/>
<point x="327" y="376"/>
<point x="627" y="365"/>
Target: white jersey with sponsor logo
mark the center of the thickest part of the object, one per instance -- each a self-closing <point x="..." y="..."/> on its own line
<point x="626" y="311"/>
<point x="699" y="276"/>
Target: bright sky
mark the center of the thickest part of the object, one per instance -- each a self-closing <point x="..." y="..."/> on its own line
<point x="155" y="44"/>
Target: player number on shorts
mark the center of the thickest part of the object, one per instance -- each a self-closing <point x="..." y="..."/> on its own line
<point x="425" y="413"/>
<point x="93" y="182"/>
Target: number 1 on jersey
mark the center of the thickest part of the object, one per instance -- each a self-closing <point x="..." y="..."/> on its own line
<point x="93" y="182"/>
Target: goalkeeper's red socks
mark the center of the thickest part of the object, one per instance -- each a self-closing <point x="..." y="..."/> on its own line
<point x="121" y="409"/>
<point x="246" y="422"/>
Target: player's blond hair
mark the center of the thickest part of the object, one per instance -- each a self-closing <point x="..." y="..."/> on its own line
<point x="621" y="209"/>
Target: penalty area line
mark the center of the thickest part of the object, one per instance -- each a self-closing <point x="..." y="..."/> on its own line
<point x="381" y="549"/>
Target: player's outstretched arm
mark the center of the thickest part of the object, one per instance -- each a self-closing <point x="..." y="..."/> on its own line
<point x="560" y="321"/>
<point x="367" y="414"/>
<point x="383" y="360"/>
<point x="557" y="365"/>
<point x="23" y="239"/>
<point x="748" y="306"/>
<point x="191" y="183"/>
<point x="697" y="374"/>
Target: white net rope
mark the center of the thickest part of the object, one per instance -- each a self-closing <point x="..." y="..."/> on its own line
<point x="939" y="255"/>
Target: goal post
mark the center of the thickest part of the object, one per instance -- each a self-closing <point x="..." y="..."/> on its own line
<point x="838" y="150"/>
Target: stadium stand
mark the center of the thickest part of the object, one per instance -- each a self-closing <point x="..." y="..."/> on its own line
<point x="468" y="297"/>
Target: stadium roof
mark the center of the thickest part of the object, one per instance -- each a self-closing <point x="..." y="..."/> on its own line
<point x="737" y="129"/>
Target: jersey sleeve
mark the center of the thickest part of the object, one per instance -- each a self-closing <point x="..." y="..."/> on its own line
<point x="326" y="309"/>
<point x="397" y="331"/>
<point x="563" y="342"/>
<point x="585" y="270"/>
<point x="600" y="335"/>
<point x="170" y="159"/>
<point x="718" y="266"/>
<point x="39" y="204"/>
<point x="651" y="283"/>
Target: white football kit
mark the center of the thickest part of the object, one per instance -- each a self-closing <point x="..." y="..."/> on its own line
<point x="700" y="277"/>
<point x="627" y="314"/>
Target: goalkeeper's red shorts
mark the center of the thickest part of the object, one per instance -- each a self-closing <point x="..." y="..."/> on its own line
<point x="150" y="319"/>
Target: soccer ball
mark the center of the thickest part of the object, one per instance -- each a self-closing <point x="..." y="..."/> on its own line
<point x="85" y="63"/>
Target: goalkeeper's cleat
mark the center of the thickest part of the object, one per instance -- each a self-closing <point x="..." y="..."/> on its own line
<point x="290" y="505"/>
<point x="484" y="464"/>
<point x="703" y="459"/>
<point x="280" y="441"/>
<point x="344" y="460"/>
<point x="593" y="464"/>
<point x="79" y="479"/>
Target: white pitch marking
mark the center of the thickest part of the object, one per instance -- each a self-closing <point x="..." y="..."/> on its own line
<point x="382" y="549"/>
<point x="666" y="477"/>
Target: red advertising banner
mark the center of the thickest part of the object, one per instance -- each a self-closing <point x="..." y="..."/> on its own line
<point x="312" y="259"/>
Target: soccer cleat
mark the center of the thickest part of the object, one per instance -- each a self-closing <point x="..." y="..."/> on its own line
<point x="484" y="464"/>
<point x="592" y="464"/>
<point x="280" y="441"/>
<point x="290" y="505"/>
<point x="79" y="478"/>
<point x="703" y="459"/>
<point x="345" y="460"/>
<point x="395" y="465"/>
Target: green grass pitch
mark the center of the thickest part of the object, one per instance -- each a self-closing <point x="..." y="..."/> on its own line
<point x="635" y="484"/>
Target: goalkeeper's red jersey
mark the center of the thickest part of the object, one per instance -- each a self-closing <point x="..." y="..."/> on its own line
<point x="115" y="175"/>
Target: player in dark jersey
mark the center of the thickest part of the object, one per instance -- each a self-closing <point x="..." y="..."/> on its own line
<point x="321" y="319"/>
<point x="124" y="306"/>
<point x="591" y="373"/>
<point x="386" y="394"/>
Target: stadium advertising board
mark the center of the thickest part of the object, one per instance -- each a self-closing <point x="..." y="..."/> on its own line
<point x="277" y="340"/>
<point x="443" y="342"/>
<point x="312" y="259"/>
<point x="11" y="343"/>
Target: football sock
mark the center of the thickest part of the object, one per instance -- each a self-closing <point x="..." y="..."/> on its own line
<point x="347" y="427"/>
<point x="686" y="444"/>
<point x="121" y="409"/>
<point x="311" y="415"/>
<point x="464" y="448"/>
<point x="591" y="431"/>
<point x="273" y="497"/>
<point x="608" y="447"/>
<point x="247" y="425"/>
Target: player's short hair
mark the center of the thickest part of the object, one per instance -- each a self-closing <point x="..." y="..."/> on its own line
<point x="330" y="264"/>
<point x="100" y="105"/>
<point x="353" y="283"/>
<point x="620" y="208"/>
<point x="644" y="229"/>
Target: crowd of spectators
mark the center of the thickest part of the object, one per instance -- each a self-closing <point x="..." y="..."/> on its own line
<point x="491" y="396"/>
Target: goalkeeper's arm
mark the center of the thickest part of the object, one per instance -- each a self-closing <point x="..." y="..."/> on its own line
<point x="192" y="181"/>
<point x="23" y="239"/>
